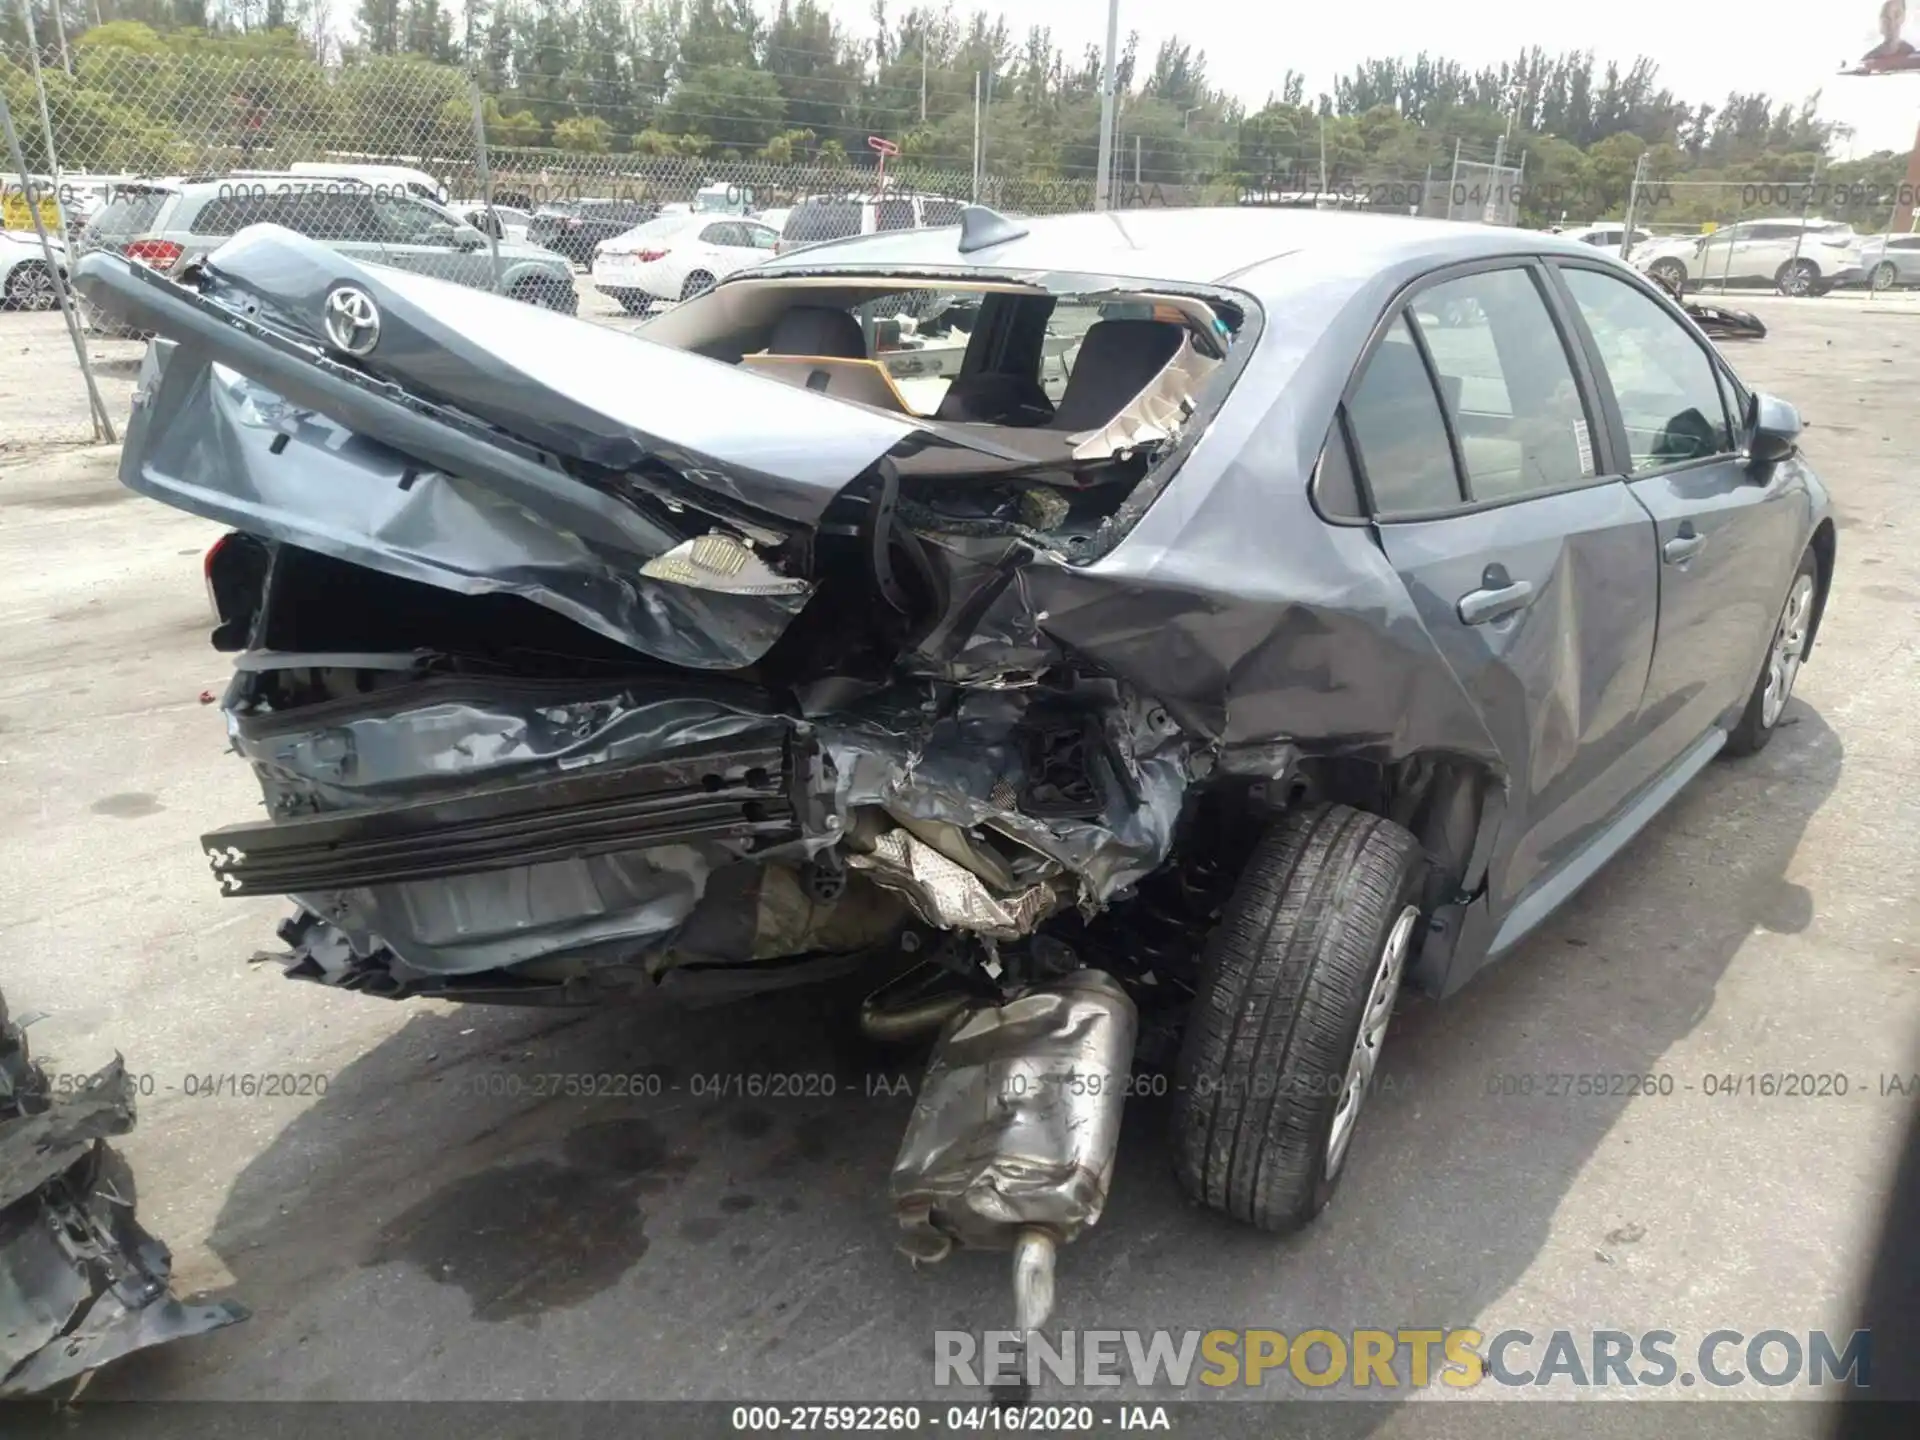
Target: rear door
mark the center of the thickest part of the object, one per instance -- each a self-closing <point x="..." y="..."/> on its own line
<point x="1728" y="535"/>
<point x="1532" y="564"/>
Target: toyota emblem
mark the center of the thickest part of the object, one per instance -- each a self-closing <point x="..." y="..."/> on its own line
<point x="353" y="320"/>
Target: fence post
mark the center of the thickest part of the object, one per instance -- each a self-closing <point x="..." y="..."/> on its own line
<point x="102" y="421"/>
<point x="486" y="177"/>
<point x="1453" y="181"/>
<point x="40" y="89"/>
<point x="1806" y="206"/>
<point x="1633" y="204"/>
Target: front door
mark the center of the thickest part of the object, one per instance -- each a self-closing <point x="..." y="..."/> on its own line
<point x="1532" y="565"/>
<point x="1728" y="535"/>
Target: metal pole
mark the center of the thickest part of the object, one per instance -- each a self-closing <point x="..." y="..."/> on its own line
<point x="1453" y="181"/>
<point x="1633" y="204"/>
<point x="923" y="74"/>
<point x="1103" y="166"/>
<point x="1806" y="205"/>
<point x="486" y="179"/>
<point x="1136" y="161"/>
<point x="60" y="25"/>
<point x="40" y="89"/>
<point x="1321" y="192"/>
<point x="102" y="421"/>
<point x="976" y="137"/>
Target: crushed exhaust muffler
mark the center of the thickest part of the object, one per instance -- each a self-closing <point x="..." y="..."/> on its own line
<point x="1013" y="1136"/>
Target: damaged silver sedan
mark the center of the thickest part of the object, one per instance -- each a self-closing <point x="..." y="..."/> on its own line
<point x="1133" y="636"/>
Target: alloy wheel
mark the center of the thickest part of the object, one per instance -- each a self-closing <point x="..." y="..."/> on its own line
<point x="1365" y="1059"/>
<point x="1788" y="650"/>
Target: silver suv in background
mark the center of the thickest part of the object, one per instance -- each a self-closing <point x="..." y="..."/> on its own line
<point x="1891" y="261"/>
<point x="1794" y="256"/>
<point x="169" y="224"/>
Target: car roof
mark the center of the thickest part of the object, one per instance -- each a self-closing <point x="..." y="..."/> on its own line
<point x="1191" y="246"/>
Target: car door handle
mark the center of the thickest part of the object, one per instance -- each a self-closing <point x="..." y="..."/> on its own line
<point x="1682" y="547"/>
<point x="1481" y="606"/>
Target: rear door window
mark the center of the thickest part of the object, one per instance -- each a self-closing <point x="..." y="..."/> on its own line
<point x="940" y="212"/>
<point x="1508" y="384"/>
<point x="130" y="212"/>
<point x="1394" y="414"/>
<point x="893" y="215"/>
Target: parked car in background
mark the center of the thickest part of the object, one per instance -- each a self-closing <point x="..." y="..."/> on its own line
<point x="574" y="227"/>
<point x="842" y="217"/>
<point x="403" y="179"/>
<point x="1794" y="256"/>
<point x="677" y="257"/>
<point x="1891" y="261"/>
<point x="512" y="221"/>
<point x="169" y="225"/>
<point x="775" y="217"/>
<point x="1604" y="233"/>
<point x="26" y="281"/>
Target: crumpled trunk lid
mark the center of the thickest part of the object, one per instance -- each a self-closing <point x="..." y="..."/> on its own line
<point x="665" y="500"/>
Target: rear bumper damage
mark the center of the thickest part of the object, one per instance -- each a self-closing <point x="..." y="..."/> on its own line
<point x="464" y="839"/>
<point x="81" y="1283"/>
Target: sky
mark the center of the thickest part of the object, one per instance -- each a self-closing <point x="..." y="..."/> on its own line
<point x="1704" y="50"/>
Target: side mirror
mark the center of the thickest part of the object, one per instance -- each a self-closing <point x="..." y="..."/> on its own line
<point x="1773" y="429"/>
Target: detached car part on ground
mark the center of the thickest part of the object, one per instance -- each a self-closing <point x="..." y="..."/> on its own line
<point x="81" y="1284"/>
<point x="1188" y="707"/>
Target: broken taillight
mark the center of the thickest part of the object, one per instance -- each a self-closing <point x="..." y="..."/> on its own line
<point x="206" y="572"/>
<point x="160" y="254"/>
<point x="649" y="255"/>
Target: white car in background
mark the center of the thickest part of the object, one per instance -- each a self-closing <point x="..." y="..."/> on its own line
<point x="513" y="223"/>
<point x="1605" y="234"/>
<point x="25" y="281"/>
<point x="676" y="257"/>
<point x="1794" y="256"/>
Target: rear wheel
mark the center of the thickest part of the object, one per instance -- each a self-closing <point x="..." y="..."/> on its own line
<point x="698" y="283"/>
<point x="1883" y="276"/>
<point x="30" y="286"/>
<point x="634" y="303"/>
<point x="543" y="291"/>
<point x="1670" y="273"/>
<point x="1296" y="989"/>
<point x="1785" y="653"/>
<point x="1797" y="277"/>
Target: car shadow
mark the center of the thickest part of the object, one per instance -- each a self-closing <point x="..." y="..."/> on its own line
<point x="646" y="1202"/>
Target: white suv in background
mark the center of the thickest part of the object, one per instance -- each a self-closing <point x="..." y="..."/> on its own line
<point x="1795" y="256"/>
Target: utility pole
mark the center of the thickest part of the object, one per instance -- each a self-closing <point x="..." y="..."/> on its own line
<point x="1136" y="160"/>
<point x="923" y="77"/>
<point x="976" y="137"/>
<point x="1103" y="176"/>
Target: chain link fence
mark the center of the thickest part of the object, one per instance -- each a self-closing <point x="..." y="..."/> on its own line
<point x="162" y="156"/>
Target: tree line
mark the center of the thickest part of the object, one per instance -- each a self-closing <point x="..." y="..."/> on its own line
<point x="715" y="80"/>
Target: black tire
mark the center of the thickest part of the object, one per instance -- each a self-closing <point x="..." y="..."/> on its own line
<point x="635" y="304"/>
<point x="698" y="283"/>
<point x="548" y="294"/>
<point x="1755" y="729"/>
<point x="1797" y="277"/>
<point x="30" y="287"/>
<point x="1881" y="279"/>
<point x="1287" y="978"/>
<point x="1670" y="273"/>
